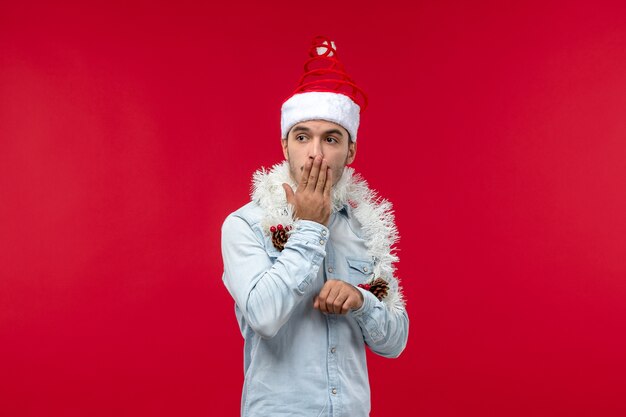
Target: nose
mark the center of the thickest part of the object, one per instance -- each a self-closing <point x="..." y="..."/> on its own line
<point x="315" y="149"/>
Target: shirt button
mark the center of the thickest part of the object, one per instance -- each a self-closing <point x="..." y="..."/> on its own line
<point x="330" y="269"/>
<point x="334" y="391"/>
<point x="322" y="242"/>
<point x="333" y="350"/>
<point x="324" y="232"/>
<point x="364" y="269"/>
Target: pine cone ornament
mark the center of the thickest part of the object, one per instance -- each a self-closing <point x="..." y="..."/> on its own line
<point x="280" y="236"/>
<point x="379" y="287"/>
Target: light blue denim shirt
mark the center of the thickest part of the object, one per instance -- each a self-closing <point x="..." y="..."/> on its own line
<point x="297" y="360"/>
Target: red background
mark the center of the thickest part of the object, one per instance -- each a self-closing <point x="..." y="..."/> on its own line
<point x="129" y="131"/>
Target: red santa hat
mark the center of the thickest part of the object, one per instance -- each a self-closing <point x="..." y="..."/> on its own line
<point x="325" y="92"/>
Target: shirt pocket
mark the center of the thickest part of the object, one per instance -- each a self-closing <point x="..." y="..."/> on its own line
<point x="359" y="270"/>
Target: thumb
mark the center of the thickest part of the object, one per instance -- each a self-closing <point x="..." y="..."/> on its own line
<point x="288" y="193"/>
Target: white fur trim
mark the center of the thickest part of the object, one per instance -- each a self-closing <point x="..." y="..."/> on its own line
<point x="318" y="105"/>
<point x="375" y="215"/>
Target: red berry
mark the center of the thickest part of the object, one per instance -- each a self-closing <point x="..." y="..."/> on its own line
<point x="272" y="229"/>
<point x="280" y="227"/>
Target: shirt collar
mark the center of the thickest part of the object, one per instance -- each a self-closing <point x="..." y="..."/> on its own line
<point x="345" y="210"/>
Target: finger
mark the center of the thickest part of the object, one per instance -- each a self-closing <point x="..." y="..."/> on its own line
<point x="306" y="171"/>
<point x="347" y="306"/>
<point x="315" y="171"/>
<point x="331" y="300"/>
<point x="289" y="193"/>
<point x="321" y="179"/>
<point x="354" y="301"/>
<point x="329" y="182"/>
<point x="340" y="303"/>
<point x="322" y="297"/>
<point x="316" y="302"/>
<point x="350" y="303"/>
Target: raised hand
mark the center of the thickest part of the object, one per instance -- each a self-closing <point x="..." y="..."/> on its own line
<point x="338" y="297"/>
<point x="311" y="200"/>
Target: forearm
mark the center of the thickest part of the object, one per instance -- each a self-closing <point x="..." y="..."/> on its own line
<point x="268" y="289"/>
<point x="385" y="330"/>
<point x="279" y="290"/>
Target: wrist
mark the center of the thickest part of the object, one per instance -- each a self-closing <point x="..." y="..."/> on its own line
<point x="365" y="304"/>
<point x="361" y="297"/>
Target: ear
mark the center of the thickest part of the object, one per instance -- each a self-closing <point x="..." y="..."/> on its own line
<point x="351" y="153"/>
<point x="284" y="145"/>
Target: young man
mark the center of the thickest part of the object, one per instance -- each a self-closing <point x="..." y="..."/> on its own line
<point x="309" y="260"/>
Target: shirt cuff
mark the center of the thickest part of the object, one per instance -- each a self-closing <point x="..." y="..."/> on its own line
<point x="312" y="233"/>
<point x="369" y="300"/>
<point x="364" y="317"/>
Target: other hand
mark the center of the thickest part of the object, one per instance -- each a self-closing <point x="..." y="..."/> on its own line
<point x="338" y="297"/>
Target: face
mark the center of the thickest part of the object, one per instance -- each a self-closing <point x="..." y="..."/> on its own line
<point x="308" y="139"/>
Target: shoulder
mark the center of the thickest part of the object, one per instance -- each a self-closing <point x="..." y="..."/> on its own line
<point x="251" y="213"/>
<point x="244" y="222"/>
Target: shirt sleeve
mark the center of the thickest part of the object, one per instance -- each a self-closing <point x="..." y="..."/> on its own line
<point x="385" y="331"/>
<point x="268" y="289"/>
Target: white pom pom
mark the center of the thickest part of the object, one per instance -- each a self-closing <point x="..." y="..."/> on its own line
<point x="321" y="50"/>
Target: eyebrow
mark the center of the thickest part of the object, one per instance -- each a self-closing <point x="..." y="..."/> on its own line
<point x="334" y="132"/>
<point x="327" y="132"/>
<point x="301" y="129"/>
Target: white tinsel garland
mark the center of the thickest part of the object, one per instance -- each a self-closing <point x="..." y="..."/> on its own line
<point x="375" y="215"/>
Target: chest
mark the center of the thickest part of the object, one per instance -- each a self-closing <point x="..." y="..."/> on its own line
<point x="347" y="255"/>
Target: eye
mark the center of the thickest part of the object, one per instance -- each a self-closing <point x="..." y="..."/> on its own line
<point x="301" y="138"/>
<point x="331" y="139"/>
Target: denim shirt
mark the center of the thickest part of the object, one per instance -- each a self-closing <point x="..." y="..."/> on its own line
<point x="297" y="360"/>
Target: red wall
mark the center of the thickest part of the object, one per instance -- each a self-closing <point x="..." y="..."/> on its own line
<point x="129" y="131"/>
